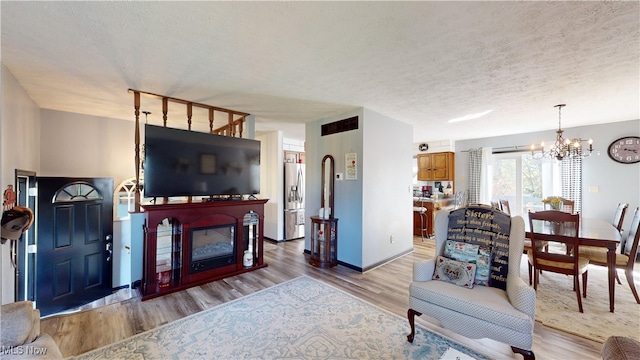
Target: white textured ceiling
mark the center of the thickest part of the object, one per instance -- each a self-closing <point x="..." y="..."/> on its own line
<point x="287" y="63"/>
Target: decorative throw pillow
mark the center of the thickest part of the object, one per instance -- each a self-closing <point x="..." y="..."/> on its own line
<point x="456" y="272"/>
<point x="461" y="251"/>
<point x="471" y="253"/>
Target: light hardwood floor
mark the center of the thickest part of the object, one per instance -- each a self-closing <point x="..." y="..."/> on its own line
<point x="114" y="319"/>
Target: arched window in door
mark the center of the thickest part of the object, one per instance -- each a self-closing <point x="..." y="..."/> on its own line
<point x="77" y="191"/>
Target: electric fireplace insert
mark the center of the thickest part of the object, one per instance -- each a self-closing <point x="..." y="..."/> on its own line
<point x="212" y="247"/>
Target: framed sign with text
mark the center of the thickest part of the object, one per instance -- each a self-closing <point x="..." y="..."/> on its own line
<point x="481" y="225"/>
<point x="351" y="166"/>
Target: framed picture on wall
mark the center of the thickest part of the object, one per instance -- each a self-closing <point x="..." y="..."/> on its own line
<point x="438" y="186"/>
<point x="351" y="162"/>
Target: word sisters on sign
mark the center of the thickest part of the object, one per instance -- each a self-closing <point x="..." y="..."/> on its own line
<point x="482" y="225"/>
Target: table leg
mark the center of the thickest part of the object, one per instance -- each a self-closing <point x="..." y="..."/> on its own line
<point x="611" y="262"/>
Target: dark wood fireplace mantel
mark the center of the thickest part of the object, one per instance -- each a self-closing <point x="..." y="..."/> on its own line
<point x="167" y="256"/>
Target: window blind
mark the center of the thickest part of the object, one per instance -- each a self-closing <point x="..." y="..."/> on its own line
<point x="572" y="181"/>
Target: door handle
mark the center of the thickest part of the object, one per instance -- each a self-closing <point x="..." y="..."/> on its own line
<point x="109" y="248"/>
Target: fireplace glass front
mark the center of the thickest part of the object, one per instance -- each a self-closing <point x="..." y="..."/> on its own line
<point x="212" y="247"/>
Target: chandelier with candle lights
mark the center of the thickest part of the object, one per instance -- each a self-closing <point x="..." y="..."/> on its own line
<point x="563" y="148"/>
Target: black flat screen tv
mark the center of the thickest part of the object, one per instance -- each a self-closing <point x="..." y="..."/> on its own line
<point x="190" y="163"/>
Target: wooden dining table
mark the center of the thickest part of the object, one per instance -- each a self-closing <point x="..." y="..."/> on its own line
<point x="592" y="232"/>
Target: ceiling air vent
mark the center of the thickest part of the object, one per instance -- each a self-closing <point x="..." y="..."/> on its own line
<point x="340" y="126"/>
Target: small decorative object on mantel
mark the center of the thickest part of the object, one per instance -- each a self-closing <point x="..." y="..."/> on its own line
<point x="423" y="147"/>
<point x="247" y="258"/>
<point x="625" y="150"/>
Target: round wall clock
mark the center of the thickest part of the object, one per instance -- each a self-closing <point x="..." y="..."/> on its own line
<point x="625" y="150"/>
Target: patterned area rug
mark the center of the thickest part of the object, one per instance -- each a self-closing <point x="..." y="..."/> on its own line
<point x="557" y="305"/>
<point x="300" y="319"/>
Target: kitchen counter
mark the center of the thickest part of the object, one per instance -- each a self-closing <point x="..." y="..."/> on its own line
<point x="441" y="199"/>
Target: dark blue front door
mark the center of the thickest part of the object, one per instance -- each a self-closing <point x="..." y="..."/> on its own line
<point x="74" y="222"/>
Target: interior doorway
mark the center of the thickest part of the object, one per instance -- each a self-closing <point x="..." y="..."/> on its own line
<point x="25" y="261"/>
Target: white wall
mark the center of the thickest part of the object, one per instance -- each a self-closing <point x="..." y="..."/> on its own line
<point x="271" y="183"/>
<point x="434" y="146"/>
<point x="616" y="183"/>
<point x="20" y="143"/>
<point x="78" y="145"/>
<point x="293" y="145"/>
<point x="121" y="257"/>
<point x="137" y="245"/>
<point x="347" y="194"/>
<point x="387" y="191"/>
<point x="378" y="203"/>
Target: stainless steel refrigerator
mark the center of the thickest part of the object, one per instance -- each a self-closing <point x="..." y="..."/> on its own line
<point x="293" y="201"/>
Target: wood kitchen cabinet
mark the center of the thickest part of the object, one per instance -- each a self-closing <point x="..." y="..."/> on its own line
<point x="436" y="166"/>
<point x="424" y="219"/>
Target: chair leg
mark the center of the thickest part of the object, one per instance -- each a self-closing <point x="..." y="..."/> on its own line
<point x="576" y="285"/>
<point x="411" y="315"/>
<point x="530" y="270"/>
<point x="527" y="354"/>
<point x="585" y="276"/>
<point x="618" y="278"/>
<point x="535" y="279"/>
<point x="632" y="285"/>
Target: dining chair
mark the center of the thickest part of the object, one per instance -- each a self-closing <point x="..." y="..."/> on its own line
<point x="625" y="260"/>
<point x="495" y="205"/>
<point x="561" y="228"/>
<point x="504" y="205"/>
<point x="462" y="198"/>
<point x="618" y="218"/>
<point x="568" y="206"/>
<point x="526" y="249"/>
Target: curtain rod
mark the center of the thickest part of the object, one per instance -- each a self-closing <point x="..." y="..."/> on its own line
<point x="507" y="149"/>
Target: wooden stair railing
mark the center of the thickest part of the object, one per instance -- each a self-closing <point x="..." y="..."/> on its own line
<point x="234" y="127"/>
